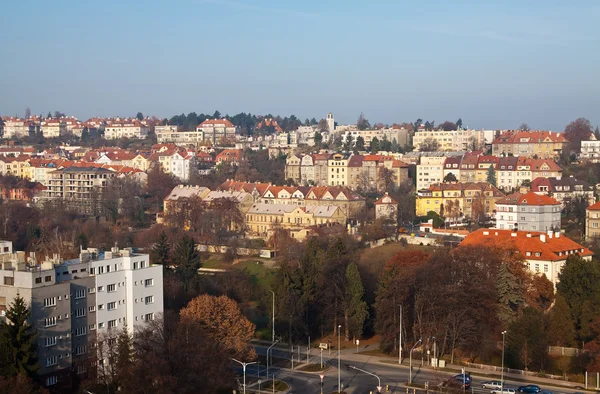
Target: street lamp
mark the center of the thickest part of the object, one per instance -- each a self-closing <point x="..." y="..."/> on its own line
<point x="410" y="361"/>
<point x="379" y="387"/>
<point x="259" y="382"/>
<point x="339" y="359"/>
<point x="400" y="339"/>
<point x="435" y="354"/>
<point x="268" y="349"/>
<point x="321" y="376"/>
<point x="502" y="373"/>
<point x="273" y="323"/>
<point x="244" y="366"/>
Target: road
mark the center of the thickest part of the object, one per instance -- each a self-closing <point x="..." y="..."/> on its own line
<point x="354" y="381"/>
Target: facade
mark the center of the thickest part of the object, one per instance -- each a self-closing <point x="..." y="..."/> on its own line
<point x="307" y="170"/>
<point x="528" y="212"/>
<point x="233" y="156"/>
<point x="330" y="122"/>
<point x="16" y="127"/>
<point x="430" y="171"/>
<point x="292" y="168"/>
<point x="544" y="252"/>
<point x="564" y="189"/>
<point x="337" y="166"/>
<point x="386" y="208"/>
<point x="53" y="128"/>
<point x="73" y="303"/>
<point x="592" y="221"/>
<point x="454" y="140"/>
<point x="172" y="134"/>
<point x="215" y="130"/>
<point x="132" y="129"/>
<point x="590" y="150"/>
<point x="533" y="144"/>
<point x="462" y="195"/>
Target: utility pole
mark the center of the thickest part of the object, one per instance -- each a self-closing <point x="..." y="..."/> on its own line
<point x="400" y="339"/>
<point x="339" y="359"/>
<point x="273" y="322"/>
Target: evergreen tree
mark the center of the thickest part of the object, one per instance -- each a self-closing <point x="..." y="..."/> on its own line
<point x="356" y="310"/>
<point x="491" y="175"/>
<point x="510" y="295"/>
<point x="459" y="123"/>
<point x="597" y="133"/>
<point x="360" y="144"/>
<point x="124" y="356"/>
<point x="18" y="340"/>
<point x="374" y="147"/>
<point x="395" y="148"/>
<point x="186" y="260"/>
<point x="561" y="328"/>
<point x="348" y="143"/>
<point x="161" y="251"/>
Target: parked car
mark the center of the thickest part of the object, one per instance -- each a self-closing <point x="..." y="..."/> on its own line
<point x="505" y="390"/>
<point x="530" y="389"/>
<point x="493" y="385"/>
<point x="463" y="380"/>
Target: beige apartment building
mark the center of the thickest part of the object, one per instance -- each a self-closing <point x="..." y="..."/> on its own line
<point x="534" y="144"/>
<point x="455" y="140"/>
<point x="592" y="221"/>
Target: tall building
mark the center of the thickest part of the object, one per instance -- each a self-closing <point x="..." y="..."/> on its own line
<point x="330" y="122"/>
<point x="73" y="303"/>
<point x="528" y="211"/>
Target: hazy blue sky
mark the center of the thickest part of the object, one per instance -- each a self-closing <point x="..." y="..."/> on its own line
<point x="493" y="63"/>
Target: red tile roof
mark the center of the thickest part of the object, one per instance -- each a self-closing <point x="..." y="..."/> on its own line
<point x="529" y="198"/>
<point x="515" y="136"/>
<point x="216" y="122"/>
<point x="594" y="207"/>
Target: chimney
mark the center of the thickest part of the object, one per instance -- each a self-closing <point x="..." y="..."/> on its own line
<point x="513" y="234"/>
<point x="549" y="234"/>
<point x="528" y="235"/>
<point x="557" y="234"/>
<point x="543" y="237"/>
<point x="486" y="233"/>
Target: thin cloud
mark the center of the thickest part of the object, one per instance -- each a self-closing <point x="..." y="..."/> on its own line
<point x="252" y="7"/>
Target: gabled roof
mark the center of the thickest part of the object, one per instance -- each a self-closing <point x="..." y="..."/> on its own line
<point x="550" y="248"/>
<point x="533" y="137"/>
<point x="529" y="198"/>
<point x="386" y="199"/>
<point x="216" y="122"/>
<point x="594" y="207"/>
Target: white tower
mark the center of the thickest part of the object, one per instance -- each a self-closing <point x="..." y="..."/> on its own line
<point x="330" y="122"/>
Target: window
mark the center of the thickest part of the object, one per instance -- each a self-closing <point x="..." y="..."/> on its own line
<point x="112" y="323"/>
<point x="49" y="341"/>
<point x="92" y="327"/>
<point x="51" y="301"/>
<point x="80" y="350"/>
<point x="9" y="281"/>
<point x="79" y="331"/>
<point x="100" y="288"/>
<point x="53" y="360"/>
<point x="92" y="271"/>
<point x="100" y="307"/>
<point x="149" y="282"/>
<point x="149" y="300"/>
<point x="149" y="317"/>
<point x="80" y="294"/>
<point x="537" y="267"/>
<point x="92" y="290"/>
<point x="92" y="308"/>
<point x="545" y="267"/>
<point x="49" y="321"/>
<point x="48" y="278"/>
<point x="38" y="280"/>
<point x="101" y="325"/>
<point x="79" y="312"/>
<point x="111" y="305"/>
<point x="51" y="380"/>
<point x="111" y="288"/>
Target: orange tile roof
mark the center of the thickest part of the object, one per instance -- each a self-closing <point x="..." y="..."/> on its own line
<point x="550" y="249"/>
<point x="594" y="207"/>
<point x="529" y="198"/>
<point x="213" y="122"/>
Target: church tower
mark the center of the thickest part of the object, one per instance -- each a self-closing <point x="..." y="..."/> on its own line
<point x="330" y="122"/>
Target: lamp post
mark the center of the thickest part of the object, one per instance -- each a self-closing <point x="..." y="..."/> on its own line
<point x="435" y="354"/>
<point x="244" y="366"/>
<point x="259" y="382"/>
<point x="339" y="359"/>
<point x="273" y="322"/>
<point x="379" y="387"/>
<point x="321" y="376"/>
<point x="400" y="339"/>
<point x="502" y="373"/>
<point x="410" y="361"/>
<point x="268" y="350"/>
<point x="321" y="358"/>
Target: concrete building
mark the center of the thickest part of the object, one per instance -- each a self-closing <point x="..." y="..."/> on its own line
<point x="430" y="171"/>
<point x="53" y="128"/>
<point x="330" y="122"/>
<point x="75" y="301"/>
<point x="386" y="208"/>
<point x="592" y="221"/>
<point x="564" y="189"/>
<point x="454" y="140"/>
<point x="292" y="168"/>
<point x="590" y="150"/>
<point x="132" y="129"/>
<point x="462" y="195"/>
<point x="544" y="252"/>
<point x="215" y="130"/>
<point x="16" y="127"/>
<point x="533" y="144"/>
<point x="528" y="212"/>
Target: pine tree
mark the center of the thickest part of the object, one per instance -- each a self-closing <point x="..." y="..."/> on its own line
<point x="510" y="295"/>
<point x="491" y="175"/>
<point x="562" y="329"/>
<point x="124" y="357"/>
<point x="161" y="251"/>
<point x="356" y="310"/>
<point x="18" y="338"/>
<point x="186" y="260"/>
<point x="597" y="133"/>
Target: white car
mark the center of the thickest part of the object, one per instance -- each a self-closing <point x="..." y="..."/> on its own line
<point x="493" y="385"/>
<point x="506" y="390"/>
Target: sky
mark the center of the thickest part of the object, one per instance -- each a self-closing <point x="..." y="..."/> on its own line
<point x="495" y="64"/>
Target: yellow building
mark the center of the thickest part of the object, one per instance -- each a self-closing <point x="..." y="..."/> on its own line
<point x="262" y="219"/>
<point x="463" y="195"/>
<point x="338" y="169"/>
<point x="535" y="144"/>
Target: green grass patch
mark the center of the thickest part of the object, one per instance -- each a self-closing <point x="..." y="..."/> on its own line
<point x="264" y="276"/>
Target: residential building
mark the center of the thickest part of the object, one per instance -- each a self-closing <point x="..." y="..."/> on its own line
<point x="430" y="171"/>
<point x="454" y="140"/>
<point x="307" y="170"/>
<point x="528" y="212"/>
<point x="132" y="129"/>
<point x="53" y="128"/>
<point x="544" y="252"/>
<point x="533" y="144"/>
<point x="269" y="124"/>
<point x="592" y="221"/>
<point x="172" y="134"/>
<point x="74" y="302"/>
<point x="16" y="127"/>
<point x="321" y="161"/>
<point x="292" y="168"/>
<point x="590" y="150"/>
<point x="463" y="195"/>
<point x="216" y="130"/>
<point x="233" y="156"/>
<point x="181" y="193"/>
<point x="564" y="189"/>
<point x="386" y="208"/>
<point x="337" y="168"/>
<point x="262" y="219"/>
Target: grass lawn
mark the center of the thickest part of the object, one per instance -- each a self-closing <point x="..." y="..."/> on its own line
<point x="263" y="275"/>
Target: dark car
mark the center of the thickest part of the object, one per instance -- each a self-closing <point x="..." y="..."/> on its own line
<point x="529" y="389"/>
<point x="463" y="379"/>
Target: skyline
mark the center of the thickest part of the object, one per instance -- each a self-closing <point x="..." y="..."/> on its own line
<point x="493" y="66"/>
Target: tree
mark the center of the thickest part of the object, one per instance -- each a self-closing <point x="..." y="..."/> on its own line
<point x="597" y="133"/>
<point x="360" y="144"/>
<point x="19" y="339"/>
<point x="459" y="123"/>
<point x="318" y="138"/>
<point x="491" y="175"/>
<point x="524" y="127"/>
<point x="374" y="145"/>
<point x="323" y="126"/>
<point x="186" y="260"/>
<point x="450" y="177"/>
<point x="348" y="143"/>
<point x="355" y="308"/>
<point x="27" y="113"/>
<point x="429" y="145"/>
<point x="139" y="116"/>
<point x="386" y="179"/>
<point x="416" y="125"/>
<point x="161" y="250"/>
<point x="362" y="123"/>
<point x="448" y="126"/>
<point x="561" y="327"/>
<point x="222" y="321"/>
<point x="540" y="293"/>
<point x="124" y="357"/>
<point x="217" y="115"/>
<point x="510" y="295"/>
<point x="529" y="331"/>
<point x="577" y="131"/>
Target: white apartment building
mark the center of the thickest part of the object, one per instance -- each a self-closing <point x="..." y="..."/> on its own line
<point x="528" y="212"/>
<point x="15" y="127"/>
<point x="430" y="171"/>
<point x="455" y="140"/>
<point x="132" y="129"/>
<point x="53" y="128"/>
<point x="216" y="129"/>
<point x="590" y="150"/>
<point x="172" y="134"/>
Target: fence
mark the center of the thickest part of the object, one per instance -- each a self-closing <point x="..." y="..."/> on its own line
<point x="510" y="370"/>
<point x="564" y="351"/>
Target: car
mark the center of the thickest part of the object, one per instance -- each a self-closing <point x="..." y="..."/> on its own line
<point x="462" y="380"/>
<point x="492" y="385"/>
<point x="530" y="389"/>
<point x="505" y="390"/>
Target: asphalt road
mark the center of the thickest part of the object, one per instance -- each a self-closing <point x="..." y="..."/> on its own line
<point x="357" y="382"/>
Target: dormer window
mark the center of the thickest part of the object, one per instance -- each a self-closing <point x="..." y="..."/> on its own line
<point x="527" y="253"/>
